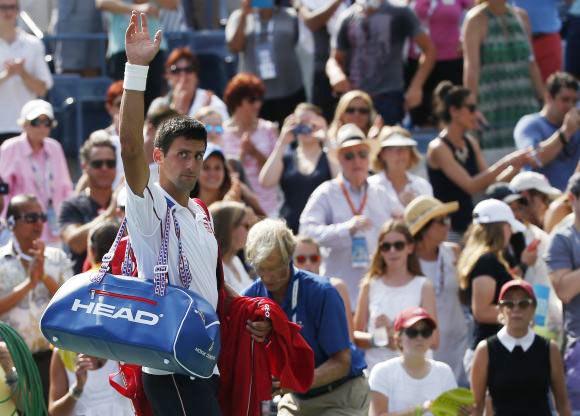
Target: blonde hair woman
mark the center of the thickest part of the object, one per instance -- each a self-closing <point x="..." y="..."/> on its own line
<point x="356" y="107"/>
<point x="482" y="269"/>
<point x="393" y="282"/>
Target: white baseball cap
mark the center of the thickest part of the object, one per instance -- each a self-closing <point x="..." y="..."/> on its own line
<point x="525" y="181"/>
<point x="493" y="210"/>
<point x="34" y="109"/>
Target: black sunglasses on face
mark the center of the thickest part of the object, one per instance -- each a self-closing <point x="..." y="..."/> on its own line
<point x="413" y="333"/>
<point x="9" y="8"/>
<point x="397" y="245"/>
<point x="362" y="154"/>
<point x="522" y="303"/>
<point x="46" y="122"/>
<point x="471" y="107"/>
<point x="174" y="69"/>
<point x="361" y="110"/>
<point x="99" y="163"/>
<point x="32" y="217"/>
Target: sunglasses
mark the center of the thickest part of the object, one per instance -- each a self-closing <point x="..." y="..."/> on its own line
<point x="254" y="98"/>
<point x="362" y="154"/>
<point x="397" y="245"/>
<point x="214" y="129"/>
<point x="32" y="217"/>
<point x="9" y="8"/>
<point x="174" y="69"/>
<point x="522" y="303"/>
<point x="471" y="107"/>
<point x="360" y="110"/>
<point x="301" y="259"/>
<point x="37" y="122"/>
<point x="99" y="163"/>
<point x="414" y="333"/>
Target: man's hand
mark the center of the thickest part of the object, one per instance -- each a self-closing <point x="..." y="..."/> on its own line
<point x="139" y="48"/>
<point x="343" y="86"/>
<point x="36" y="266"/>
<point x="571" y="122"/>
<point x="359" y="223"/>
<point x="259" y="329"/>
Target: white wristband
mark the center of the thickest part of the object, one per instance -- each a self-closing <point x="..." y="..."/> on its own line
<point x="135" y="77"/>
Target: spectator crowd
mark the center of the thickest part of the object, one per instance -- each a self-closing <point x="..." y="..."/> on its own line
<point x="402" y="177"/>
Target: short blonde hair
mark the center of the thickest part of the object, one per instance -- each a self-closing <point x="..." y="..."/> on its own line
<point x="267" y="237"/>
<point x="379" y="165"/>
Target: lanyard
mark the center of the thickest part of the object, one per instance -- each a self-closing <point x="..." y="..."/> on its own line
<point x="363" y="202"/>
<point x="44" y="184"/>
<point x="294" y="306"/>
<point x="269" y="27"/>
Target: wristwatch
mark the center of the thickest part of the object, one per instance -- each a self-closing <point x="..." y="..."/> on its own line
<point x="75" y="392"/>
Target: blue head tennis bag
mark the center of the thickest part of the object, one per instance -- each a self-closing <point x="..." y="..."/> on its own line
<point x="149" y="323"/>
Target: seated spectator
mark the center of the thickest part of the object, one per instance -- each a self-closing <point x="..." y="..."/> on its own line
<point x="482" y="268"/>
<point x="455" y="164"/>
<point x="428" y="221"/>
<point x="31" y="275"/>
<point x="554" y="132"/>
<point x="393" y="283"/>
<point x="119" y="12"/>
<point x="408" y="384"/>
<point x="153" y="120"/>
<point x="538" y="193"/>
<point x="249" y="138"/>
<point x="393" y="163"/>
<point x="213" y="122"/>
<point x="217" y="183"/>
<point x="34" y="163"/>
<point x="517" y="367"/>
<point x="265" y="40"/>
<point x="25" y="74"/>
<point x="499" y="70"/>
<point x="232" y="221"/>
<point x="310" y="300"/>
<point x="80" y="213"/>
<point x="443" y="21"/>
<point x="344" y="215"/>
<point x="563" y="259"/>
<point x="185" y="96"/>
<point x="100" y="239"/>
<point x="356" y="107"/>
<point x="367" y="54"/>
<point x="299" y="171"/>
<point x="84" y="389"/>
<point x="307" y="257"/>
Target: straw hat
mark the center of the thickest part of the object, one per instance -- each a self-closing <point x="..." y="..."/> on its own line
<point x="423" y="209"/>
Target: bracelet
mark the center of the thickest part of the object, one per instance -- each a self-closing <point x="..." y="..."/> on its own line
<point x="135" y="77"/>
<point x="75" y="392"/>
<point x="562" y="138"/>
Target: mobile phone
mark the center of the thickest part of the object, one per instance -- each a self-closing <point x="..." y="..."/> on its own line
<point x="4" y="188"/>
<point x="263" y="4"/>
<point x="302" y="129"/>
<point x="533" y="245"/>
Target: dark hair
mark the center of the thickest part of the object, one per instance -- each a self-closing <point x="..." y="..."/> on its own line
<point x="309" y="107"/>
<point x="159" y="115"/>
<point x="182" y="53"/>
<point x="98" y="138"/>
<point x="226" y="184"/>
<point x="243" y="85"/>
<point x="115" y="90"/>
<point x="102" y="237"/>
<point x="559" y="80"/>
<point x="574" y="185"/>
<point x="179" y="126"/>
<point x="447" y="95"/>
<point x="13" y="209"/>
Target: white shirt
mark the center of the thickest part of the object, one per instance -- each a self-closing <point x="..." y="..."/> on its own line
<point x="13" y="93"/>
<point x="231" y="277"/>
<point x="325" y="218"/>
<point x="405" y="392"/>
<point x="200" y="100"/>
<point x="416" y="185"/>
<point x="510" y="342"/>
<point x="144" y="217"/>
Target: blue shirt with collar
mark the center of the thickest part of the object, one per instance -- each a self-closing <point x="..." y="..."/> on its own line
<point x="320" y="312"/>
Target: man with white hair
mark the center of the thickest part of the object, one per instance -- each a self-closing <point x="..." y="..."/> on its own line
<point x="339" y="387"/>
<point x="24" y="74"/>
<point x="345" y="214"/>
<point x="34" y="163"/>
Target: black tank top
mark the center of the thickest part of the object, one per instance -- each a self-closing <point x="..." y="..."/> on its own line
<point x="446" y="190"/>
<point x="519" y="383"/>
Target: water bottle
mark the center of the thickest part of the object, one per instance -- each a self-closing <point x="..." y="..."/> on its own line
<point x="380" y="337"/>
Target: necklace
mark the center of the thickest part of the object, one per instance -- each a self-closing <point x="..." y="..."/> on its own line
<point x="461" y="154"/>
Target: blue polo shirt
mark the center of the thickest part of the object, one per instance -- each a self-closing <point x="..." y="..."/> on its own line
<point x="320" y="312"/>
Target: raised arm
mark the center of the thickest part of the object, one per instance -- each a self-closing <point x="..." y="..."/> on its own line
<point x="140" y="51"/>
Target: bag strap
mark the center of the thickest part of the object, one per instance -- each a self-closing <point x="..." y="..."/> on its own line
<point x="107" y="258"/>
<point x="219" y="273"/>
